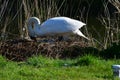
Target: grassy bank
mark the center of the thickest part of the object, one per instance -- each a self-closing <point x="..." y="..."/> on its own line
<point x="42" y="68"/>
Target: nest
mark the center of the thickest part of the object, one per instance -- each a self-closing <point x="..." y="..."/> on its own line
<point x="20" y="50"/>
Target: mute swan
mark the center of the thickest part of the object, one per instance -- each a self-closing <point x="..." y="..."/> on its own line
<point x="54" y="26"/>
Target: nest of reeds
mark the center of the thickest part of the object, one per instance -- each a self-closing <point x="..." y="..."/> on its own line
<point x="20" y="50"/>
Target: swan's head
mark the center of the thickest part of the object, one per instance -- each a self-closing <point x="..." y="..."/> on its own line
<point x="33" y="22"/>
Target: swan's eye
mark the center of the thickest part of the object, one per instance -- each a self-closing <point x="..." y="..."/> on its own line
<point x="32" y="25"/>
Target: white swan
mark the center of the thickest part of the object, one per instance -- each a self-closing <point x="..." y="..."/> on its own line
<point x="54" y="26"/>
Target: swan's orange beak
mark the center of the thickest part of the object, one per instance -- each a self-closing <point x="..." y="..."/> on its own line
<point x="32" y="25"/>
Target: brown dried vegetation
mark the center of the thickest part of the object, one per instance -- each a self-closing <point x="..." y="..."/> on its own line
<point x="20" y="50"/>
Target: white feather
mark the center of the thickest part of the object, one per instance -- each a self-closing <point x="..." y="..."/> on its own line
<point x="54" y="26"/>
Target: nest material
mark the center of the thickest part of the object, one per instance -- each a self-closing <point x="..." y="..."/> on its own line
<point x="20" y="50"/>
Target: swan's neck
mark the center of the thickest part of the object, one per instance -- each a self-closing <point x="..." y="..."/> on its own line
<point x="37" y="30"/>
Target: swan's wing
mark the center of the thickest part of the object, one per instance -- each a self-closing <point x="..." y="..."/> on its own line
<point x="76" y="24"/>
<point x="60" y="25"/>
<point x="55" y="26"/>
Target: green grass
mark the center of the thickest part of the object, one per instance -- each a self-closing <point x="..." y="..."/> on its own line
<point x="42" y="68"/>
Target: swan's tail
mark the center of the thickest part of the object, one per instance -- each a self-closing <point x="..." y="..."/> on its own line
<point x="78" y="32"/>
